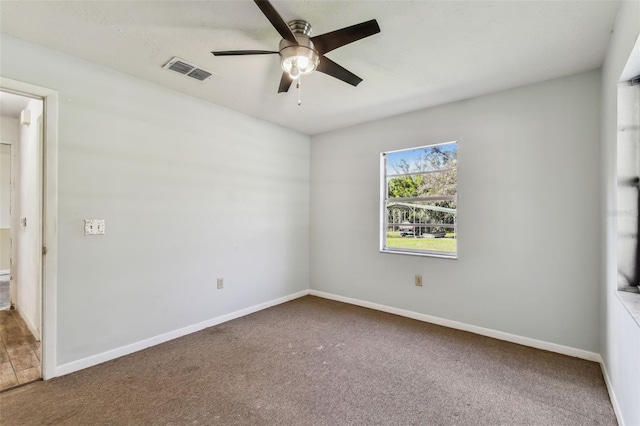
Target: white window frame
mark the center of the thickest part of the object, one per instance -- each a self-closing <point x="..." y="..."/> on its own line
<point x="384" y="224"/>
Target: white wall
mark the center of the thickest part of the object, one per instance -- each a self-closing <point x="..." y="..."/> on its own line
<point x="620" y="333"/>
<point x="5" y="198"/>
<point x="29" y="204"/>
<point x="190" y="192"/>
<point x="528" y="213"/>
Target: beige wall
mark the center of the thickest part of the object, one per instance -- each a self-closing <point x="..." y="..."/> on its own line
<point x="5" y="185"/>
<point x="5" y="195"/>
<point x="8" y="129"/>
<point x="28" y="206"/>
<point x="4" y="249"/>
<point x="8" y="135"/>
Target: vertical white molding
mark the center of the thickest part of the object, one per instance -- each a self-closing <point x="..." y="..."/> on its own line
<point x="612" y="394"/>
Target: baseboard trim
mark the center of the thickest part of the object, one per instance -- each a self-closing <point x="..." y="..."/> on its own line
<point x="513" y="338"/>
<point x="30" y="325"/>
<point x="90" y="361"/>
<point x="612" y="394"/>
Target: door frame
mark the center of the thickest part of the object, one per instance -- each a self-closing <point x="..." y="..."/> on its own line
<point x="49" y="217"/>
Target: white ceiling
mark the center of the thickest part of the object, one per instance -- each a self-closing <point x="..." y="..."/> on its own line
<point x="11" y="105"/>
<point x="428" y="52"/>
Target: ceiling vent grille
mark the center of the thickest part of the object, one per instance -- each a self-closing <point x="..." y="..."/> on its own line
<point x="199" y="74"/>
<point x="190" y="70"/>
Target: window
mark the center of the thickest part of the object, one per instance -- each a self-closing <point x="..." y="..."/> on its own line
<point x="419" y="200"/>
<point x="628" y="186"/>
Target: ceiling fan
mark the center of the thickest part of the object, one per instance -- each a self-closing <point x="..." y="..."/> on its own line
<point x="301" y="54"/>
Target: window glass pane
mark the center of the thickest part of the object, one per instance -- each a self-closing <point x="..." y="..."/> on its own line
<point x="420" y="204"/>
<point x="428" y="158"/>
<point x="429" y="226"/>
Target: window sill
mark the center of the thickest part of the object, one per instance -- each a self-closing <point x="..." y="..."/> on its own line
<point x="453" y="256"/>
<point x="631" y="302"/>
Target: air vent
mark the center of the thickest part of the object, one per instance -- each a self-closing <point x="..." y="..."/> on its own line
<point x="181" y="67"/>
<point x="199" y="74"/>
<point x="185" y="68"/>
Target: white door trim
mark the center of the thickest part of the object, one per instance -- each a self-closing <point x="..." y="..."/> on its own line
<point x="49" y="217"/>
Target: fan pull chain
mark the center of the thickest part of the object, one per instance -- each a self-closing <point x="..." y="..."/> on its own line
<point x="299" y="91"/>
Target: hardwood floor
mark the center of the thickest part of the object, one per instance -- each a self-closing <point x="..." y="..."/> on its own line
<point x="19" y="352"/>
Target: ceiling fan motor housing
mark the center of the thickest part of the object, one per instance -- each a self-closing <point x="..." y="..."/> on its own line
<point x="300" y="27"/>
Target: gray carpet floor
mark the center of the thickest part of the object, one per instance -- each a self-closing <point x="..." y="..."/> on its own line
<point x="319" y="362"/>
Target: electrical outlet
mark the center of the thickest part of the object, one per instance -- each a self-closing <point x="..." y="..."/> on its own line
<point x="220" y="283"/>
<point x="419" y="280"/>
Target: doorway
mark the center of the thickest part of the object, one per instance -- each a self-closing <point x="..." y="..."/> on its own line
<point x="43" y="123"/>
<point x="21" y="177"/>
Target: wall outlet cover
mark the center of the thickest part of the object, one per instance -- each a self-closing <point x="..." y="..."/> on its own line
<point x="419" y="280"/>
<point x="94" y="227"/>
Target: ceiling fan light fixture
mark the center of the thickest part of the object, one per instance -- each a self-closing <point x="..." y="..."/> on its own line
<point x="294" y="72"/>
<point x="297" y="60"/>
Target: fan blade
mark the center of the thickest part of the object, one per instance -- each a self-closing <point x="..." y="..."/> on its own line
<point x="242" y="52"/>
<point x="327" y="66"/>
<point x="285" y="82"/>
<point x="327" y="42"/>
<point x="276" y="20"/>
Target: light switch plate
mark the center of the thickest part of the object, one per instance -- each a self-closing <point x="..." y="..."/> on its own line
<point x="94" y="227"/>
